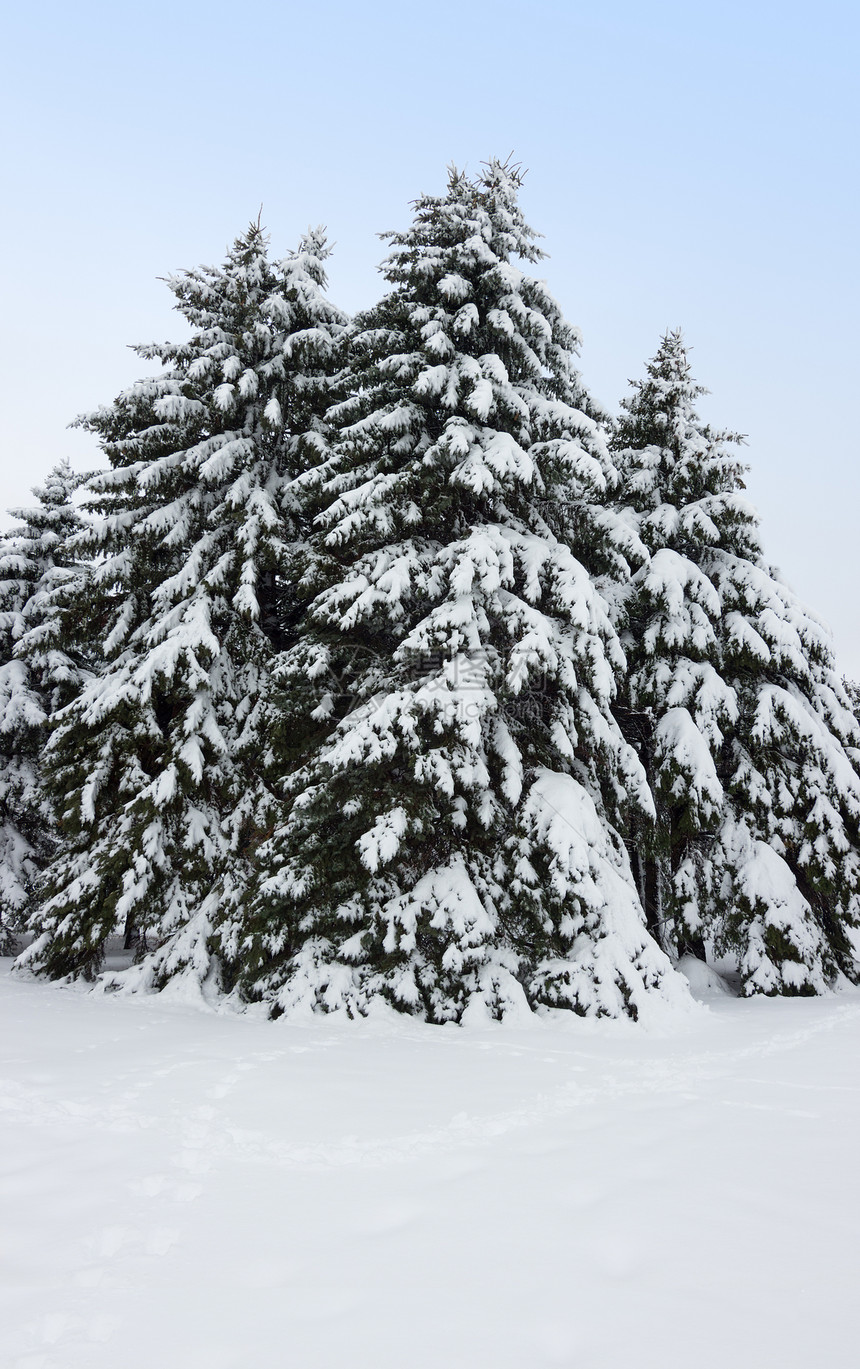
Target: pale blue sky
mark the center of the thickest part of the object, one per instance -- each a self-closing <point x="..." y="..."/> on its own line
<point x="691" y="164"/>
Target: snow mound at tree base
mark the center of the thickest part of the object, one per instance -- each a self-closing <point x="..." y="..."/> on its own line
<point x="704" y="981"/>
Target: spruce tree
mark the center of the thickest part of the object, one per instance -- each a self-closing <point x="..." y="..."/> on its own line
<point x="852" y="691"/>
<point x="451" y="844"/>
<point x="162" y="764"/>
<point x="37" y="677"/>
<point x="742" y="724"/>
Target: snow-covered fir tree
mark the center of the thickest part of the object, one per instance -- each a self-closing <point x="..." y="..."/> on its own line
<point x="162" y="764"/>
<point x="852" y="690"/>
<point x="37" y="677"/>
<point x="740" y="721"/>
<point x="451" y="846"/>
<point x="680" y="485"/>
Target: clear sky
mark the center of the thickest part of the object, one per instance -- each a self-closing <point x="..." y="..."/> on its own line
<point x="691" y="164"/>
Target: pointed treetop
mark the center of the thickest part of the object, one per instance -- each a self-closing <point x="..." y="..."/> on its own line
<point x="313" y="250"/>
<point x="671" y="457"/>
<point x="477" y="216"/>
<point x="662" y="406"/>
<point x="496" y="189"/>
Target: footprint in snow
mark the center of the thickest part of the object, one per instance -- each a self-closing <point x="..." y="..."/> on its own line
<point x="159" y="1185"/>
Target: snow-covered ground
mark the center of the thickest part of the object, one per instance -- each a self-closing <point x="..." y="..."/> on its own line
<point x="187" y="1190"/>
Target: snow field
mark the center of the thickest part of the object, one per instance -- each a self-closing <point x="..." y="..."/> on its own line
<point x="193" y="1190"/>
